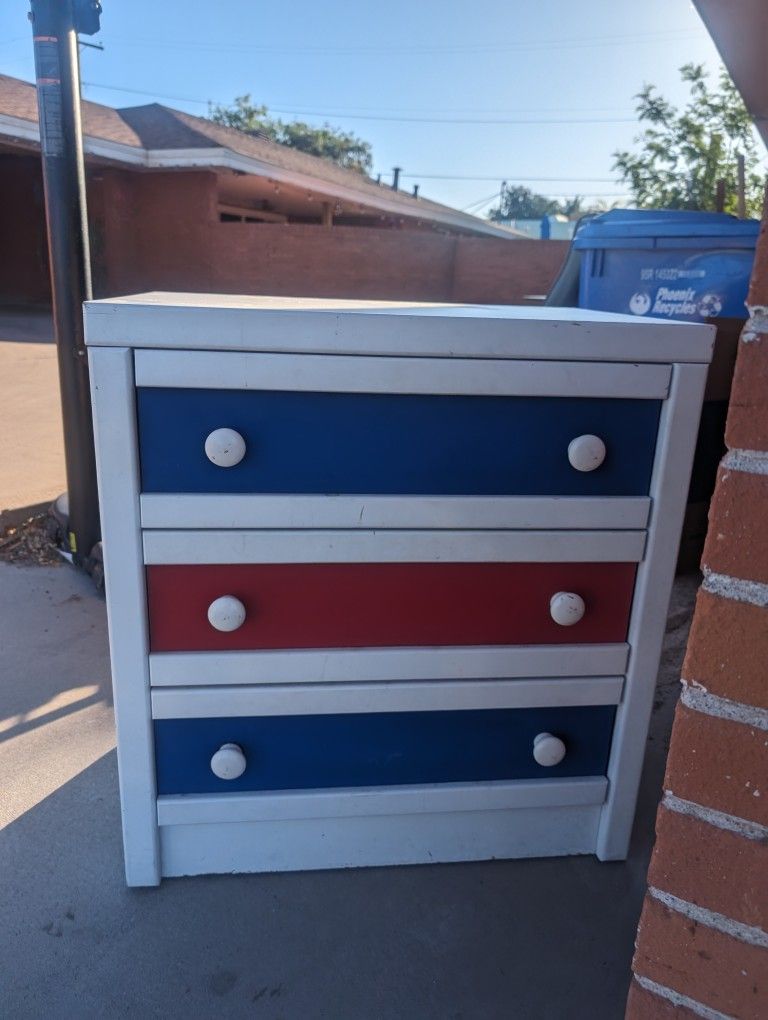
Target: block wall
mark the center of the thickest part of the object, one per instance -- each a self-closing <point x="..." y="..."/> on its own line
<point x="24" y="274"/>
<point x="366" y="262"/>
<point x="160" y="230"/>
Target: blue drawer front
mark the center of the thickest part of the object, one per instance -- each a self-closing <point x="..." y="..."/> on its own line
<point x="381" y="749"/>
<point x="336" y="443"/>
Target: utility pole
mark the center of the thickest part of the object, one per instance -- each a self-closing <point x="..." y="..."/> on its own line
<point x="55" y="24"/>
<point x="720" y="195"/>
<point x="741" y="171"/>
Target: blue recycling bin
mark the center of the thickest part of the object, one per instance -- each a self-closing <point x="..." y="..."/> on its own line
<point x="667" y="264"/>
<point x="672" y="264"/>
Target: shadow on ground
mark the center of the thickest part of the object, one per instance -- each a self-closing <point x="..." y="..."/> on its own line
<point x="523" y="940"/>
<point x="25" y="324"/>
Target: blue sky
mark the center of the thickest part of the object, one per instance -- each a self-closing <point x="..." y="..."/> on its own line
<point x="420" y="81"/>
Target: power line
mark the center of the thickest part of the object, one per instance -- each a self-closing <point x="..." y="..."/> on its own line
<point x="460" y="120"/>
<point x="381" y="117"/>
<point x="481" y="201"/>
<point x="372" y="109"/>
<point x="144" y="92"/>
<point x="509" y="177"/>
<point x="583" y="42"/>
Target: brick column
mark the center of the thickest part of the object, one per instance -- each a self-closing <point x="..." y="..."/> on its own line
<point x="702" y="944"/>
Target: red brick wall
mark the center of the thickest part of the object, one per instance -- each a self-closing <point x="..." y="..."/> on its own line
<point x="336" y="262"/>
<point x="160" y="231"/>
<point x="371" y="263"/>
<point x="157" y="230"/>
<point x="489" y="271"/>
<point x="702" y="945"/>
<point x="24" y="275"/>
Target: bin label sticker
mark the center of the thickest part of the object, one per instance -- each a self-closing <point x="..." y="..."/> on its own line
<point x="675" y="302"/>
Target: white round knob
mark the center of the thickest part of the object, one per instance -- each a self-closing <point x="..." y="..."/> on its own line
<point x="566" y="608"/>
<point x="226" y="613"/>
<point x="548" y="750"/>
<point x="225" y="447"/>
<point x="586" y="453"/>
<point x="228" y="762"/>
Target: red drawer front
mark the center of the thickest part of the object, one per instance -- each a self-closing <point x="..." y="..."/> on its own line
<point x="355" y="605"/>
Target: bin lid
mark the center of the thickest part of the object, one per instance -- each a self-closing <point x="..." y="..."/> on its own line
<point x="666" y="228"/>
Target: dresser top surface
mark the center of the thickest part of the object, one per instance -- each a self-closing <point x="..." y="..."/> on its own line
<point x="388" y="328"/>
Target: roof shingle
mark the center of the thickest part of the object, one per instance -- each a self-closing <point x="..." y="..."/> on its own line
<point x="157" y="127"/>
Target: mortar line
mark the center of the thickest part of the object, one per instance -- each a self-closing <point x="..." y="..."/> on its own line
<point x="681" y="1001"/>
<point x="718" y="819"/>
<point x="712" y="919"/>
<point x="735" y="589"/>
<point x="734" y="711"/>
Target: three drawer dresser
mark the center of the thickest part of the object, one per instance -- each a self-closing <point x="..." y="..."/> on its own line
<point x="386" y="582"/>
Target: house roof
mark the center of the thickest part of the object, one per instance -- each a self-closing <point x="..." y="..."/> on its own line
<point x="156" y="136"/>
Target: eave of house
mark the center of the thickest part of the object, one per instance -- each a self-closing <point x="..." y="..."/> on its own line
<point x="220" y="158"/>
<point x="739" y="30"/>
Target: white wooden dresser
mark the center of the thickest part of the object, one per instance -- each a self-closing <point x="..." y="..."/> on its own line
<point x="387" y="583"/>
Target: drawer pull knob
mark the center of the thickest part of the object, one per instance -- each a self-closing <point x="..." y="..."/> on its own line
<point x="229" y="762"/>
<point x="586" y="453"/>
<point x="566" y="608"/>
<point x="548" y="750"/>
<point x="225" y="448"/>
<point x="226" y="613"/>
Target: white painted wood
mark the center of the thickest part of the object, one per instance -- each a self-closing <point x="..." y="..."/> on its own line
<point x="339" y="374"/>
<point x="111" y="374"/>
<point x="179" y="547"/>
<point x="353" y="665"/>
<point x="229" y="762"/>
<point x="669" y="490"/>
<point x="433" y="798"/>
<point x="217" y="510"/>
<point x="328" y="325"/>
<point x="586" y="453"/>
<point x="414" y="696"/>
<point x="548" y="750"/>
<point x="311" y="844"/>
<point x="224" y="447"/>
<point x="566" y="608"/>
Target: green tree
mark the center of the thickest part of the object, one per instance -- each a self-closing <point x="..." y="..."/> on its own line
<point x="683" y="153"/>
<point x="328" y="142"/>
<point x="520" y="203"/>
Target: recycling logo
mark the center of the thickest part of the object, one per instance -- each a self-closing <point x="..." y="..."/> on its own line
<point x="640" y="303"/>
<point x="709" y="306"/>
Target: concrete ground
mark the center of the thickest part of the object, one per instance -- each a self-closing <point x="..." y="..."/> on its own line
<point x="520" y="940"/>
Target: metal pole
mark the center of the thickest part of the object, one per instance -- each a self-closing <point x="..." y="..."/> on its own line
<point x="58" y="101"/>
<point x="741" y="171"/>
<point x="720" y="196"/>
